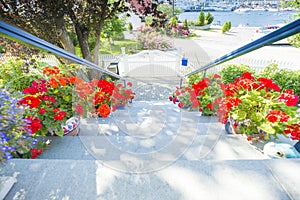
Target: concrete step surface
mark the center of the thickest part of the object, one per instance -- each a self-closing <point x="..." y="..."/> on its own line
<point x="160" y="153"/>
<point x="182" y="180"/>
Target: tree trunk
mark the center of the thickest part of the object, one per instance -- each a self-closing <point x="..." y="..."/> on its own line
<point x="85" y="50"/>
<point x="97" y="49"/>
<point x="83" y="42"/>
<point x="63" y="35"/>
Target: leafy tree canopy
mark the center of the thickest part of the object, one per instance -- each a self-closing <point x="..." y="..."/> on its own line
<point x="56" y="20"/>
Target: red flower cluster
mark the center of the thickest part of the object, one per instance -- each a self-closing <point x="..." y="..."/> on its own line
<point x="34" y="124"/>
<point x="289" y="98"/>
<point x="35" y="152"/>
<point x="31" y="101"/>
<point x="122" y="95"/>
<point x="294" y="130"/>
<point x="51" y="70"/>
<point x="106" y="87"/>
<point x="201" y="85"/>
<point x="268" y="84"/>
<point x="60" y="115"/>
<point x="275" y="115"/>
<point x="225" y="107"/>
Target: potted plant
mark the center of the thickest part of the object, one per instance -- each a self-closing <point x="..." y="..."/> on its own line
<point x="209" y="92"/>
<point x="202" y="95"/>
<point x="50" y="102"/>
<point x="257" y="108"/>
<point x="186" y="98"/>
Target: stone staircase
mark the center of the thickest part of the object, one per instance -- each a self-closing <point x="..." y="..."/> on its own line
<point x="152" y="150"/>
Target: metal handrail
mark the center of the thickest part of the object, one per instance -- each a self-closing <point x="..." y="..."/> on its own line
<point x="17" y="34"/>
<point x="284" y="32"/>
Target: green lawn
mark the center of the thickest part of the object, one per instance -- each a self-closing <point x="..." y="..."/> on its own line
<point x="114" y="48"/>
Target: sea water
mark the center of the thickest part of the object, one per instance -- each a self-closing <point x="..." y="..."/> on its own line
<point x="251" y="18"/>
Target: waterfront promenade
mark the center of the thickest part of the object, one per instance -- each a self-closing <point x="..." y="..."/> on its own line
<point x="213" y="44"/>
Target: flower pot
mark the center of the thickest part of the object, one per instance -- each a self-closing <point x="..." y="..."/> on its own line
<point x="71" y="128"/>
<point x="230" y="128"/>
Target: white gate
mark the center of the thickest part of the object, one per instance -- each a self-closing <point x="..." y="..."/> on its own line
<point x="150" y="63"/>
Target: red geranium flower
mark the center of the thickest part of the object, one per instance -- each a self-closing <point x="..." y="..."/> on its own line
<point x="79" y="109"/>
<point x="103" y="110"/>
<point x="288" y="98"/>
<point x="34" y="124"/>
<point x="247" y="75"/>
<point x="32" y="101"/>
<point x="180" y="105"/>
<point x="217" y="76"/>
<point x="210" y="106"/>
<point x="272" y="118"/>
<point x="42" y="111"/>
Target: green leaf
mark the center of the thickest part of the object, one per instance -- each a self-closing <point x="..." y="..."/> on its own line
<point x="266" y="127"/>
<point x="241" y="115"/>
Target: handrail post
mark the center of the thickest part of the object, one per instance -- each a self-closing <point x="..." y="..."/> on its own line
<point x="180" y="84"/>
<point x="204" y="73"/>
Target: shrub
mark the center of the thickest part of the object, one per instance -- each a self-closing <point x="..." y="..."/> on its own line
<point x="209" y="18"/>
<point x="229" y="25"/>
<point x="226" y="27"/>
<point x="232" y="71"/>
<point x="18" y="73"/>
<point x="185" y="24"/>
<point x="285" y="78"/>
<point x="149" y="38"/>
<point x="130" y="27"/>
<point x="201" y="19"/>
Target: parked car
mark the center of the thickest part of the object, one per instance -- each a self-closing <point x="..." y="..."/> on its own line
<point x="262" y="31"/>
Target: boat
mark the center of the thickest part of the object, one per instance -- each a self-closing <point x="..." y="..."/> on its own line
<point x="242" y="10"/>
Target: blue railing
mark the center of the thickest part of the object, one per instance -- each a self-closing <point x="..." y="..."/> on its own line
<point x="18" y="34"/>
<point x="284" y="32"/>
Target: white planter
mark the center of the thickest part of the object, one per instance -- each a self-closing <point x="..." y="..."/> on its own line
<point x="205" y="27"/>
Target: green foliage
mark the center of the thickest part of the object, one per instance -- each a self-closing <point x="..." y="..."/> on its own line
<point x="201" y="19"/>
<point x="195" y="78"/>
<point x="115" y="48"/>
<point x="130" y="27"/>
<point x="174" y="21"/>
<point x="226" y="27"/>
<point x="185" y="24"/>
<point x="118" y="36"/>
<point x="17" y="74"/>
<point x="295" y="39"/>
<point x="232" y="71"/>
<point x="285" y="78"/>
<point x="168" y="10"/>
<point x="204" y="19"/>
<point x="112" y="28"/>
<point x="209" y="18"/>
<point x="148" y="20"/>
<point x="229" y="25"/>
